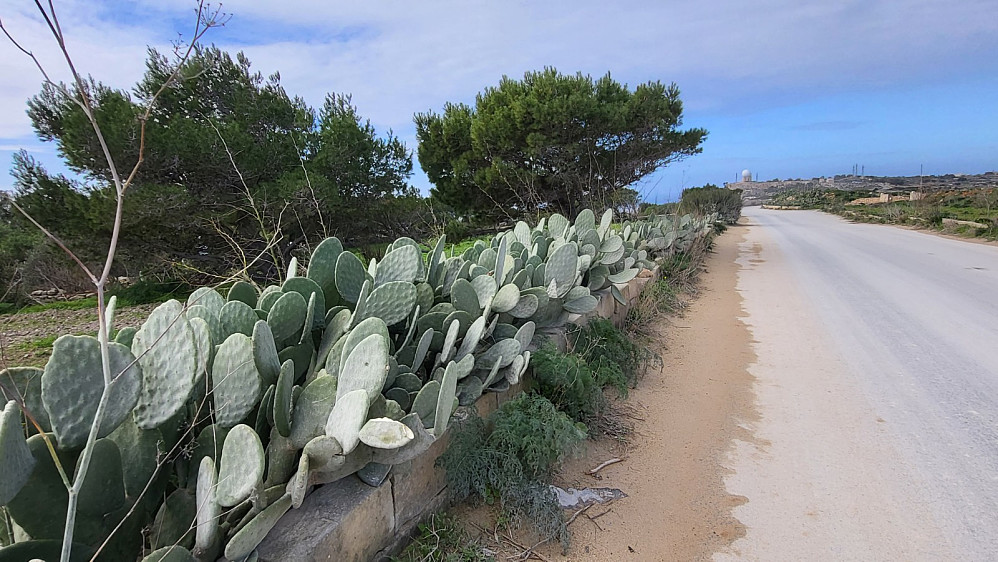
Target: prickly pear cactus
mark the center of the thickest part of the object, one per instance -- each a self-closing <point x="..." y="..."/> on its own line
<point x="166" y="349"/>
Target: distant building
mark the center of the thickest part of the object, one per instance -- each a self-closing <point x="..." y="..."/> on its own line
<point x="746" y="176"/>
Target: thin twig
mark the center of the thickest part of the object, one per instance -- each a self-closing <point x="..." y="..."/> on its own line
<point x="604" y="465"/>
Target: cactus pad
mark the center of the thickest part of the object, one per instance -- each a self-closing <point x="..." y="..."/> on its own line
<point x="347" y="417"/>
<point x="166" y="349"/>
<point x="287" y="318"/>
<point x="235" y="380"/>
<point x="385" y="433"/>
<point x="240" y="470"/>
<point x="244" y="292"/>
<point x="365" y="368"/>
<point x="16" y="461"/>
<point x="391" y="301"/>
<point x="73" y="382"/>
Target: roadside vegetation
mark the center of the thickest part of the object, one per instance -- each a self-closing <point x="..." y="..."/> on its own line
<point x="934" y="211"/>
<point x="572" y="399"/>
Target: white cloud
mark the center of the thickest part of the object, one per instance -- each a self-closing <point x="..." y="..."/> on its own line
<point x="399" y="57"/>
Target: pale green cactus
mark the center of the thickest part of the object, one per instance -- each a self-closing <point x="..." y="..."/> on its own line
<point x="240" y="470"/>
<point x="235" y="380"/>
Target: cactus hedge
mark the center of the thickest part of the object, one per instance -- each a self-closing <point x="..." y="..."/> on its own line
<point x="224" y="413"/>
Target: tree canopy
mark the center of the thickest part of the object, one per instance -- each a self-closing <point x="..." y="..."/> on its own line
<point x="553" y="142"/>
<point x="230" y="159"/>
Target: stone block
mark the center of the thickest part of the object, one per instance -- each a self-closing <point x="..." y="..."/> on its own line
<point x="415" y="486"/>
<point x="487" y="404"/>
<point x="346" y="520"/>
<point x="405" y="532"/>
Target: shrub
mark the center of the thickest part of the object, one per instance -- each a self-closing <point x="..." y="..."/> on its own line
<point x="568" y="382"/>
<point x="613" y="357"/>
<point x="702" y="201"/>
<point x="511" y="462"/>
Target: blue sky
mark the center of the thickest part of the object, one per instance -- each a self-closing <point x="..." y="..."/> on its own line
<point x="786" y="88"/>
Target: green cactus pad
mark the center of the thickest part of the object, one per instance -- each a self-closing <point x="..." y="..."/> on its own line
<point x="311" y="410"/>
<point x="73" y="382"/>
<point x="208" y="298"/>
<point x="235" y="381"/>
<point x="502" y="353"/>
<point x="471" y="338"/>
<point x="322" y="268"/>
<point x="43" y="488"/>
<point x="208" y="509"/>
<point x="557" y="225"/>
<point x="450" y="338"/>
<point x="445" y="400"/>
<point x="26" y="383"/>
<point x="126" y="335"/>
<point x="562" y="267"/>
<point x="282" y="459"/>
<point x="526" y="307"/>
<point x="403" y="263"/>
<point x="525" y="335"/>
<point x="166" y="349"/>
<point x="385" y="433"/>
<point x="140" y="449"/>
<point x="485" y="289"/>
<point x="240" y="470"/>
<point x="245" y="541"/>
<point x="268" y="298"/>
<point x="311" y="316"/>
<point x="347" y="417"/>
<point x="237" y="317"/>
<point x="243" y="292"/>
<point x="582" y="305"/>
<point x="464" y="297"/>
<point x="174" y="522"/>
<point x="391" y="301"/>
<point x="576" y="293"/>
<point x="506" y="298"/>
<point x="102" y="490"/>
<point x="350" y="276"/>
<point x="617" y="295"/>
<point x="302" y="355"/>
<point x="306" y="288"/>
<point x="211" y="318"/>
<point x="469" y="390"/>
<point x="464" y="367"/>
<point x="336" y="327"/>
<point x="265" y="353"/>
<point x="422" y="347"/>
<point x="283" y="398"/>
<point x="16" y="461"/>
<point x="359" y="333"/>
<point x="399" y="396"/>
<point x="366" y="367"/>
<point x="612" y="244"/>
<point x="624" y="276"/>
<point x="205" y="347"/>
<point x="292" y="268"/>
<point x="425" y="403"/>
<point x="287" y="318"/>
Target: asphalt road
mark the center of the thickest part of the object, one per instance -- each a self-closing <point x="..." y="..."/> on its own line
<point x="876" y="435"/>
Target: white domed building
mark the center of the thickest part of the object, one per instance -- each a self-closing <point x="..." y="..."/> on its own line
<point x="746" y="176"/>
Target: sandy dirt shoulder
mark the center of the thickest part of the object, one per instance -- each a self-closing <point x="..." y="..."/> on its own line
<point x="686" y="416"/>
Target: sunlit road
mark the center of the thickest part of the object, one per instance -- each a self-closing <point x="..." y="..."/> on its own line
<point x="876" y="390"/>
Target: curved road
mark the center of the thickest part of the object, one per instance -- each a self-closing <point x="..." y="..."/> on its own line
<point x="876" y="434"/>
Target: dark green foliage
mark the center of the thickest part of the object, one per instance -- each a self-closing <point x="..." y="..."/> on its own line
<point x="302" y="175"/>
<point x="727" y="203"/>
<point x="442" y="539"/>
<point x="614" y="358"/>
<point x="530" y="428"/>
<point x="569" y="382"/>
<point x="552" y="141"/>
<point x="510" y="460"/>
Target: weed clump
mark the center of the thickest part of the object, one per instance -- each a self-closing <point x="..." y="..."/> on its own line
<point x="508" y="461"/>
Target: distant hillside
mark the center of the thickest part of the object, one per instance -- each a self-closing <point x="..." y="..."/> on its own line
<point x="759" y="192"/>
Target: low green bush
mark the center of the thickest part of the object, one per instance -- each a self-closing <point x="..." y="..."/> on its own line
<point x="509" y="461"/>
<point x="613" y="356"/>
